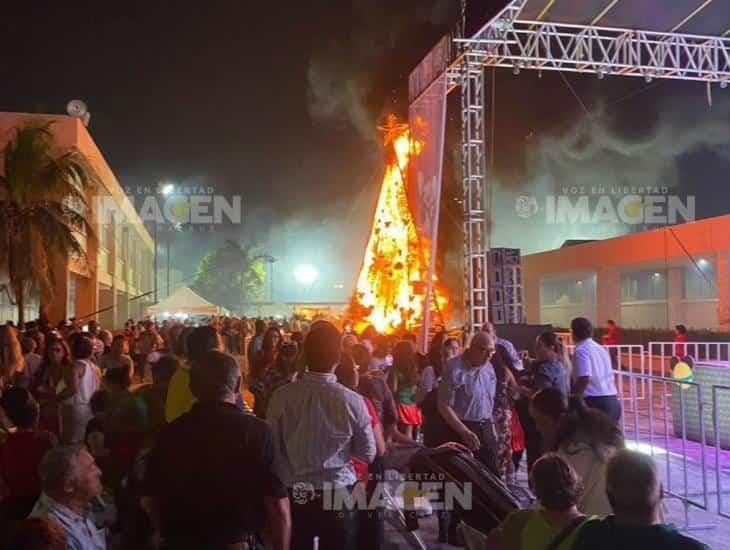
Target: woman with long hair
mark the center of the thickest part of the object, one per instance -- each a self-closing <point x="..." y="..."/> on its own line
<point x="547" y="371"/>
<point x="586" y="438"/>
<point x="442" y="350"/>
<point x="56" y="360"/>
<point x="118" y="356"/>
<point x="403" y="382"/>
<point x="510" y="437"/>
<point x="266" y="356"/>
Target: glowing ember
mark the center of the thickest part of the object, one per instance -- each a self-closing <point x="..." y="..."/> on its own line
<point x="390" y="289"/>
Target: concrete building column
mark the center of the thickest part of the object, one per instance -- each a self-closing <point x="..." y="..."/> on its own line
<point x="122" y="309"/>
<point x="106" y="300"/>
<point x="675" y="292"/>
<point x="608" y="295"/>
<point x="723" y="290"/>
<point x="87" y="298"/>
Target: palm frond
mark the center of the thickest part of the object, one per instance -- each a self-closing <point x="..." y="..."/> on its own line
<point x="44" y="208"/>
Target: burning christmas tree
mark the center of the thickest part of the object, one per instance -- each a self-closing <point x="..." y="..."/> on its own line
<point x="391" y="288"/>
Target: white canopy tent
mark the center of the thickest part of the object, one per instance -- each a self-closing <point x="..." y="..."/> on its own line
<point x="185" y="300"/>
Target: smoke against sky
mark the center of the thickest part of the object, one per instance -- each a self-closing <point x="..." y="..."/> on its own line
<point x="593" y="155"/>
<point x="343" y="82"/>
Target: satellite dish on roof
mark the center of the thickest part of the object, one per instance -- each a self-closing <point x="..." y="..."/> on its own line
<point x="77" y="108"/>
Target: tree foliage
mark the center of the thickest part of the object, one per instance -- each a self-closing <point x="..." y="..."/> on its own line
<point x="43" y="210"/>
<point x="230" y="276"/>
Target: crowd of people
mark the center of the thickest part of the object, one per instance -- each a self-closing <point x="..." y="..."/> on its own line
<point x="239" y="435"/>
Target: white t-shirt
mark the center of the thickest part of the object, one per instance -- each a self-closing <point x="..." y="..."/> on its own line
<point x="592" y="359"/>
<point x="592" y="470"/>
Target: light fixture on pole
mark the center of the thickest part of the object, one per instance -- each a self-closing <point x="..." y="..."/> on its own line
<point x="165" y="189"/>
<point x="306" y="274"/>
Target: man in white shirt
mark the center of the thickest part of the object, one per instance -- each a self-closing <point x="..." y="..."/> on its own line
<point x="318" y="426"/>
<point x="593" y="376"/>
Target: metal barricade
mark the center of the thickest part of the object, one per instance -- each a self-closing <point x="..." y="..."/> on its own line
<point x="671" y="420"/>
<point x="720" y="476"/>
<point x="712" y="352"/>
<point x="671" y="428"/>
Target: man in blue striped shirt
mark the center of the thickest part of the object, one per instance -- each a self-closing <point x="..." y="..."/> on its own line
<point x="466" y="398"/>
<point x="319" y="426"/>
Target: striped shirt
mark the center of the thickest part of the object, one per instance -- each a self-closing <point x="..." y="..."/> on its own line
<point x="468" y="390"/>
<point x="318" y="426"/>
<point x="81" y="533"/>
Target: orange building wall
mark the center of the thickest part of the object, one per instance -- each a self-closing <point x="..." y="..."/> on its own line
<point x="69" y="132"/>
<point x="645" y="250"/>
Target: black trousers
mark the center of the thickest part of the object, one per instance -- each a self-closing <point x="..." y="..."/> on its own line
<point x="371" y="523"/>
<point x="487" y="453"/>
<point x="336" y="529"/>
<point x="607" y="404"/>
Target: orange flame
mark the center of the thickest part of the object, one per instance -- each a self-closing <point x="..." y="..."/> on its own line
<point x="390" y="290"/>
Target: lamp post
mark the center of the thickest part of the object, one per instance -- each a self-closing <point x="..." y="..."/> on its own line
<point x="154" y="259"/>
<point x="164" y="189"/>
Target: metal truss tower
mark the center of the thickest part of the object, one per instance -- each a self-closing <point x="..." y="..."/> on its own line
<point x="507" y="41"/>
<point x="474" y="195"/>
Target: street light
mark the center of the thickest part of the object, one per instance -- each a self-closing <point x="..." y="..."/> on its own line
<point x="306" y="274"/>
<point x="164" y="189"/>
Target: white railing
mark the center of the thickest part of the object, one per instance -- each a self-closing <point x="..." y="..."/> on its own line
<point x="683" y="425"/>
<point x="661" y="425"/>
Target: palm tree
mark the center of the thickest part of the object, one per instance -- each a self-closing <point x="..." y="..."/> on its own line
<point x="43" y="210"/>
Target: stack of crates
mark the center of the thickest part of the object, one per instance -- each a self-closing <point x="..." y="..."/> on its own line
<point x="505" y="286"/>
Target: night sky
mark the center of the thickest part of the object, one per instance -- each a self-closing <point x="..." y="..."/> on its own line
<point x="279" y="102"/>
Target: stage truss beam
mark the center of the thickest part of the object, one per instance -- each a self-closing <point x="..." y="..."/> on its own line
<point x="507" y="41"/>
<point x="600" y="50"/>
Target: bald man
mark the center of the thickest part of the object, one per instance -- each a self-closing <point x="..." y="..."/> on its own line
<point x="466" y="398"/>
<point x="635" y="492"/>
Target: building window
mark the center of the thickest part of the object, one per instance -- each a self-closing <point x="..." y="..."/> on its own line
<point x="644" y="286"/>
<point x="563" y="292"/>
<point x="700" y="280"/>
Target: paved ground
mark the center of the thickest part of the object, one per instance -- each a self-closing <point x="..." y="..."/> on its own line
<point x="705" y="526"/>
<point x="684" y="476"/>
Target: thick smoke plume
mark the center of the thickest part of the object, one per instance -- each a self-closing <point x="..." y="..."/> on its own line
<point x="592" y="156"/>
<point x="342" y="73"/>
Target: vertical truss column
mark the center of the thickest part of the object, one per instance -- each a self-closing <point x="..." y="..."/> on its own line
<point x="474" y="194"/>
